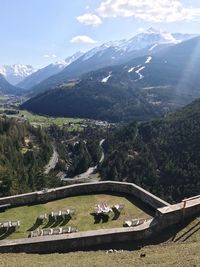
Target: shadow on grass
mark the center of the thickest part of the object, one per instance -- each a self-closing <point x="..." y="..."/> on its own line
<point x="66" y="220"/>
<point x="35" y="226"/>
<point x="191" y="234"/>
<point x="50" y="222"/>
<point x="97" y="217"/>
<point x="116" y="214"/>
<point x="5" y="233"/>
<point x="105" y="218"/>
<point x="57" y="222"/>
<point x="100" y="218"/>
<point x="188" y="233"/>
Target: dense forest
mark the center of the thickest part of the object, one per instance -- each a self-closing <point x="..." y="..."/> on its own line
<point x="24" y="151"/>
<point x="111" y="102"/>
<point x="162" y="156"/>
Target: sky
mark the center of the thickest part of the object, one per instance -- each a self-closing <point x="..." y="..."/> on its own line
<point x="39" y="32"/>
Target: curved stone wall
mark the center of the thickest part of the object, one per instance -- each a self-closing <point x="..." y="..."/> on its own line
<point x="166" y="215"/>
<point x="87" y="188"/>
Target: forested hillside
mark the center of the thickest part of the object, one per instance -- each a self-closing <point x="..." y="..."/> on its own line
<point x="112" y="102"/>
<point x="162" y="156"/>
<point x="24" y="151"/>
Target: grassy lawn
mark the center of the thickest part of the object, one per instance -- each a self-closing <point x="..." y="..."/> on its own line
<point x="84" y="205"/>
<point x="190" y="232"/>
<point x="182" y="255"/>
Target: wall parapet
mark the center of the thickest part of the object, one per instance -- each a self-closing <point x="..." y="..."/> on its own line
<point x="74" y="241"/>
<point x="86" y="188"/>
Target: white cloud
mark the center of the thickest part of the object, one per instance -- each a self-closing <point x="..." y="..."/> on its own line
<point x="49" y="56"/>
<point x="149" y="10"/>
<point x="89" y="19"/>
<point x="82" y="39"/>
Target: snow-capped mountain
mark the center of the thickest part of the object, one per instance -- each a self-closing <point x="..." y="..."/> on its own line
<point x="48" y="71"/>
<point x="147" y="39"/>
<point x="141" y="41"/>
<point x="72" y="58"/>
<point x="17" y="72"/>
<point x="113" y="53"/>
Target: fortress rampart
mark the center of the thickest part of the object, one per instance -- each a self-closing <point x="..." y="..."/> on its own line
<point x="166" y="215"/>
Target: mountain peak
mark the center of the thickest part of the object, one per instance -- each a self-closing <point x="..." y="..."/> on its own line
<point x="152" y="30"/>
<point x="17" y="72"/>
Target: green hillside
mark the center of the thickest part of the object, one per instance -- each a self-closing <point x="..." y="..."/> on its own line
<point x="24" y="151"/>
<point x="162" y="156"/>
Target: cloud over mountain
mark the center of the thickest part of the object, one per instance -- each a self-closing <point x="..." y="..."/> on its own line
<point x="149" y="10"/>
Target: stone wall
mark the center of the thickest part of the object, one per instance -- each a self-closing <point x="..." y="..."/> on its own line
<point x="177" y="213"/>
<point x="166" y="216"/>
<point x="76" y="241"/>
<point x="87" y="188"/>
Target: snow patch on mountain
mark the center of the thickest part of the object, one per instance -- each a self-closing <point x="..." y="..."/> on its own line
<point x="104" y="80"/>
<point x="154" y="46"/>
<point x="138" y="72"/>
<point x="131" y="69"/>
<point x="148" y="60"/>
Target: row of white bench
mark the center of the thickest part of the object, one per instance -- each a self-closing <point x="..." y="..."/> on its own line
<point x="57" y="214"/>
<point x="53" y="231"/>
<point x="9" y="224"/>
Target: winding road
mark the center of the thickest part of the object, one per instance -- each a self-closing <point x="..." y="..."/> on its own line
<point x="89" y="171"/>
<point x="52" y="162"/>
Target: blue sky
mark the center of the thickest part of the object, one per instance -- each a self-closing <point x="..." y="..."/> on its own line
<point x="39" y="32"/>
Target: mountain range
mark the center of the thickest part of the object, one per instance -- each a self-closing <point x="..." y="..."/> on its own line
<point x="137" y="79"/>
<point x="108" y="54"/>
<point x="112" y="53"/>
<point x="141" y="89"/>
<point x="17" y="72"/>
<point x="44" y="73"/>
